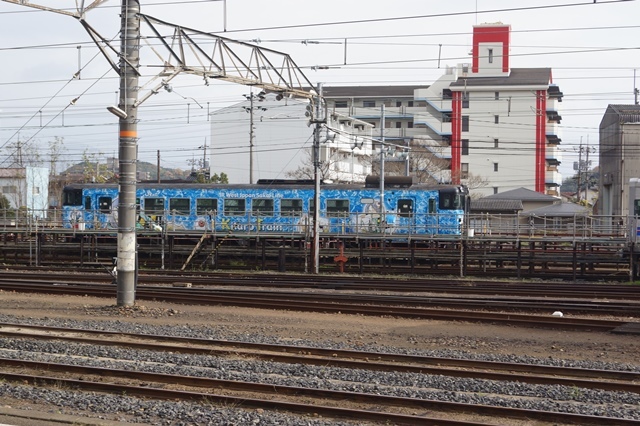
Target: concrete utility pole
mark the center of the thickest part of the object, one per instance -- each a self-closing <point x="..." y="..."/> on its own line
<point x="382" y="154"/>
<point x="127" y="152"/>
<point x="316" y="178"/>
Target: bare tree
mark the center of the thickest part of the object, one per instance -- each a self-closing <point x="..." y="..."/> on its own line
<point x="306" y="169"/>
<point x="93" y="170"/>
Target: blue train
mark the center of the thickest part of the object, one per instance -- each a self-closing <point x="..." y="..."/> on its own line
<point x="275" y="207"/>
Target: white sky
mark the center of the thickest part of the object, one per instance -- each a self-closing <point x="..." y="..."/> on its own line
<point x="593" y="50"/>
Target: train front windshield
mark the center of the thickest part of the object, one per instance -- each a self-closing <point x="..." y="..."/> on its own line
<point x="453" y="199"/>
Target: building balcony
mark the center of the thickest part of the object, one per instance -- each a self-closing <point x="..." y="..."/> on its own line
<point x="552" y="178"/>
<point x="554" y="93"/>
<point x="553" y="155"/>
<point x="441" y="128"/>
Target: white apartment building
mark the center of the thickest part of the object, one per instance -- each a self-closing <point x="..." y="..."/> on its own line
<point x="490" y="126"/>
<point x="276" y="133"/>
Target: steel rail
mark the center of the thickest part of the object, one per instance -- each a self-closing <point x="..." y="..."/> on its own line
<point x="401" y="284"/>
<point x="622" y="381"/>
<point x="360" y="414"/>
<point x="257" y="300"/>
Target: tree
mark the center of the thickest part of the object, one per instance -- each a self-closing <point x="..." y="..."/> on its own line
<point x="306" y="169"/>
<point x="93" y="170"/>
<point x="215" y="178"/>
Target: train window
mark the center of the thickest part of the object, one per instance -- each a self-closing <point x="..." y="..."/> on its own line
<point x="338" y="208"/>
<point x="405" y="207"/>
<point x="432" y="205"/>
<point x="262" y="207"/>
<point x="291" y="207"/>
<point x="104" y="204"/>
<point x="87" y="203"/>
<point x="72" y="197"/>
<point x="180" y="206"/>
<point x="446" y="201"/>
<point x="154" y="206"/>
<point x="636" y="207"/>
<point x="234" y="207"/>
<point x="206" y="205"/>
<point x="450" y="201"/>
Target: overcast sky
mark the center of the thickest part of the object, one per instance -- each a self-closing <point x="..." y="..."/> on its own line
<point x="592" y="48"/>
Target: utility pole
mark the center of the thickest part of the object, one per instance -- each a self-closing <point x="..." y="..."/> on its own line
<point x="382" y="154"/>
<point x="316" y="178"/>
<point x="251" y="137"/>
<point x="250" y="97"/>
<point x="579" y="169"/>
<point x="128" y="138"/>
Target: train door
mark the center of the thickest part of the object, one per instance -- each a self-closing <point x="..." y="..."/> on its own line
<point x="262" y="213"/>
<point x="152" y="214"/>
<point x="405" y="216"/>
<point x="634" y="209"/>
<point x="207" y="213"/>
<point x="235" y="215"/>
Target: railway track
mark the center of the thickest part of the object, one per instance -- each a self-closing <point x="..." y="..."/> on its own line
<point x="371" y="305"/>
<point x="380" y="407"/>
<point x="548" y="289"/>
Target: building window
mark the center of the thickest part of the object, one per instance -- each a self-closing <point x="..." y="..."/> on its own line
<point x="410" y="124"/>
<point x="180" y="206"/>
<point x="495" y="189"/>
<point x="465" y="146"/>
<point x="465" y="123"/>
<point x="10" y="189"/>
<point x="490" y="56"/>
<point x="410" y="103"/>
<point x="465" y="100"/>
<point x="398" y="124"/>
<point x="496" y="143"/>
<point x="497" y="96"/>
<point x="369" y="104"/>
<point x="341" y="104"/>
<point x="35" y="190"/>
<point x="464" y="170"/>
<point x="495" y="167"/>
<point x="398" y="104"/>
<point x="496" y="119"/>
<point x="446" y="117"/>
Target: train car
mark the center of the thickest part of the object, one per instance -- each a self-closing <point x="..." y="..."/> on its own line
<point x="274" y="207"/>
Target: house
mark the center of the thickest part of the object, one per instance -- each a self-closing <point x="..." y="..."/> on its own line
<point x="26" y="187"/>
<point x="619" y="158"/>
<point x="523" y="210"/>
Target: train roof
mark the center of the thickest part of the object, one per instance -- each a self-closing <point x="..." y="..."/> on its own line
<point x="390" y="184"/>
